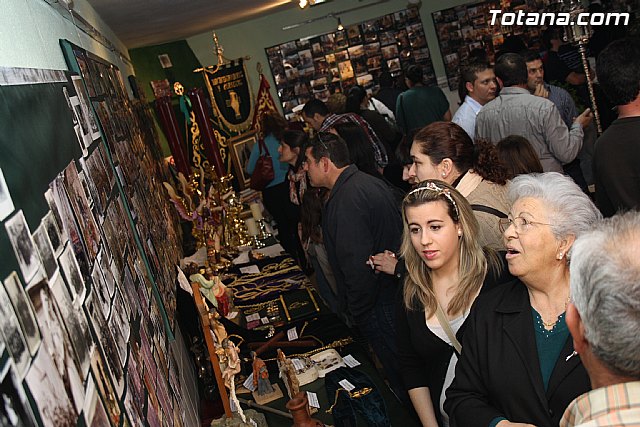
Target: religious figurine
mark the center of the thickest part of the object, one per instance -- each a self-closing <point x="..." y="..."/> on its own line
<point x="260" y="376"/>
<point x="233" y="362"/>
<point x="230" y="371"/>
<point x="214" y="290"/>
<point x="288" y="374"/>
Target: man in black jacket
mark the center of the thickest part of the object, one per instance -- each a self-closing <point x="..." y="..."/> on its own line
<point x="360" y="218"/>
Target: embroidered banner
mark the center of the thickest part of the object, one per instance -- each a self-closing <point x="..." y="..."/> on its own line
<point x="264" y="103"/>
<point x="230" y="94"/>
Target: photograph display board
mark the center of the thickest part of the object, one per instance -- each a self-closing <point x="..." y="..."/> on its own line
<point x="463" y="28"/>
<point x="316" y="67"/>
<point x="89" y="247"/>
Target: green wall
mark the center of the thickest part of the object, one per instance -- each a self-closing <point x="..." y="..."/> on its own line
<point x="148" y="68"/>
<point x="30" y="30"/>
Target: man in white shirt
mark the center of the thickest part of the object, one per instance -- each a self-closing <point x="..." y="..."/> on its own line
<point x="480" y="86"/>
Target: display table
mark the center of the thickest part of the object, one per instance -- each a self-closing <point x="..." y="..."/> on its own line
<point x="273" y="298"/>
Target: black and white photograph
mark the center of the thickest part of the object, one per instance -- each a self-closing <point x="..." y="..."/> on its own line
<point x="49" y="224"/>
<point x="100" y="291"/>
<point x="82" y="210"/>
<point x="23" y="245"/>
<point x="107" y="343"/>
<point x="75" y="321"/>
<point x="61" y="201"/>
<point x="119" y="325"/>
<point x="6" y="203"/>
<point x="72" y="274"/>
<point x="12" y="334"/>
<point x="56" y="342"/>
<point x="24" y="311"/>
<point x="105" y="388"/>
<point x="93" y="410"/>
<point x="45" y="384"/>
<point x="14" y="407"/>
<point x="87" y="111"/>
<point x="45" y="249"/>
<point x="57" y="217"/>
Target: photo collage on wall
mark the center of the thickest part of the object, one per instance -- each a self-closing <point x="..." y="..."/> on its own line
<point x="463" y="28"/>
<point x="318" y="66"/>
<point x="84" y="337"/>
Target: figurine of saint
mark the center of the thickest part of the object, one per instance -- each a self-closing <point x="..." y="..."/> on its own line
<point x="288" y="374"/>
<point x="260" y="376"/>
<point x="233" y="362"/>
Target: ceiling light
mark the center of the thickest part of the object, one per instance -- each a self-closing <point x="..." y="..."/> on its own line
<point x="340" y="27"/>
<point x="303" y="4"/>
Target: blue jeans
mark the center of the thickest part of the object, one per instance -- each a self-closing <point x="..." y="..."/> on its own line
<point x="379" y="330"/>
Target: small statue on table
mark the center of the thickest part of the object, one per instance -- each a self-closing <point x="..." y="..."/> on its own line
<point x="260" y="375"/>
<point x="214" y="290"/>
<point x="264" y="391"/>
<point x="288" y="374"/>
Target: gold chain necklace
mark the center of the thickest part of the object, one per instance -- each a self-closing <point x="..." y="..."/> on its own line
<point x="552" y="324"/>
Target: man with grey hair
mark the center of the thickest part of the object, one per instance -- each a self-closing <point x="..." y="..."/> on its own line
<point x="604" y="320"/>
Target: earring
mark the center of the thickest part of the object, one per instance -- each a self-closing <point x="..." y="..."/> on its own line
<point x="443" y="174"/>
<point x="459" y="233"/>
<point x="560" y="255"/>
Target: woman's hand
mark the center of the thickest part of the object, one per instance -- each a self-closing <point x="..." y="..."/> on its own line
<point x="385" y="261"/>
<point x="505" y="423"/>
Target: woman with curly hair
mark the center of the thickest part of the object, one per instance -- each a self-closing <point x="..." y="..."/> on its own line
<point x="444" y="151"/>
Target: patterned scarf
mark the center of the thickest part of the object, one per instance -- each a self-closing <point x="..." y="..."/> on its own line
<point x="294" y="194"/>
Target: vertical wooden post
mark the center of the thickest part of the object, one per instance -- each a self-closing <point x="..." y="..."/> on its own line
<point x="215" y="363"/>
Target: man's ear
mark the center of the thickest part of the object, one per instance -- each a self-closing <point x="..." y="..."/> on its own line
<point x="325" y="164"/>
<point x="576" y="327"/>
<point x="500" y="82"/>
<point x="469" y="87"/>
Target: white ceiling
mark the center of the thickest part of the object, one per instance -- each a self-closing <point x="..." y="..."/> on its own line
<point x="140" y="23"/>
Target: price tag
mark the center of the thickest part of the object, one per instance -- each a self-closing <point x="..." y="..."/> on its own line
<point x="252" y="317"/>
<point x="292" y="334"/>
<point x="248" y="383"/>
<point x="346" y="385"/>
<point x="232" y="315"/>
<point x="264" y="320"/>
<point x="350" y="361"/>
<point x="298" y="364"/>
<point x="251" y="269"/>
<point x="232" y="403"/>
<point x="313" y="399"/>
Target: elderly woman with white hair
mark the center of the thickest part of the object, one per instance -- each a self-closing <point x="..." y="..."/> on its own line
<point x="515" y="368"/>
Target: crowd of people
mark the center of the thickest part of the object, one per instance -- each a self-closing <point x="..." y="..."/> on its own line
<point x="488" y="285"/>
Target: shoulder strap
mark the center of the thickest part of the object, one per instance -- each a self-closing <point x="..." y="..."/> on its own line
<point x="446" y="326"/>
<point x="262" y="148"/>
<point x="489" y="210"/>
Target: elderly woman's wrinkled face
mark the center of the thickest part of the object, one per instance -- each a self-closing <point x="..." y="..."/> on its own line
<point x="531" y="246"/>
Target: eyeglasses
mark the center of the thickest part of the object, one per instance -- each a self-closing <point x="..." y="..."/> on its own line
<point x="521" y="224"/>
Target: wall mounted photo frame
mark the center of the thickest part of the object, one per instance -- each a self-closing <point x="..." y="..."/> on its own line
<point x="320" y="65"/>
<point x="241" y="147"/>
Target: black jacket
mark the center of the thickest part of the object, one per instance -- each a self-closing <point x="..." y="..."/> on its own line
<point x="498" y="374"/>
<point x="360" y="219"/>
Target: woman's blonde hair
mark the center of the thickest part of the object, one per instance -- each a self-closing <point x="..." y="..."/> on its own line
<point x="418" y="291"/>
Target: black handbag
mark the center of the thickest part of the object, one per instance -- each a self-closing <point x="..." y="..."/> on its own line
<point x="263" y="173"/>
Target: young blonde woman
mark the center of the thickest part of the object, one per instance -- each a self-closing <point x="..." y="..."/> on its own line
<point x="446" y="269"/>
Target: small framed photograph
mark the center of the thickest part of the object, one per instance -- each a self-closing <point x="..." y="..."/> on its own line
<point x="241" y="147"/>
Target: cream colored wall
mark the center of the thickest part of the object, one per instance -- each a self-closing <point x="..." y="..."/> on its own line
<point x="252" y="37"/>
<point x="30" y="30"/>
